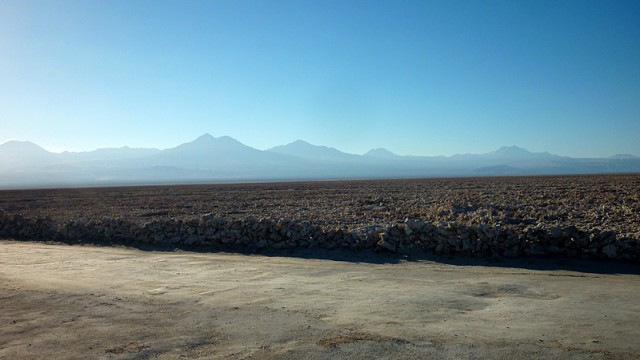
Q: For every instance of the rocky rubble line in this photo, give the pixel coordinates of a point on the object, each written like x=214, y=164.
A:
x=252, y=234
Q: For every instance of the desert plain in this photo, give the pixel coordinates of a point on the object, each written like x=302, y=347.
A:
x=143, y=302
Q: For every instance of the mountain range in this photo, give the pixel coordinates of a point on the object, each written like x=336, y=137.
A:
x=24, y=164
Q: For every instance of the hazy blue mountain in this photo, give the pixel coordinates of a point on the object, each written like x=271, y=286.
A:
x=381, y=153
x=303, y=149
x=208, y=143
x=224, y=155
x=505, y=153
x=623, y=157
x=23, y=153
x=208, y=148
x=515, y=152
x=120, y=153
x=209, y=158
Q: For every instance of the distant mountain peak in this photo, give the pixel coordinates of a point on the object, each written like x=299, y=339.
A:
x=23, y=153
x=297, y=144
x=227, y=139
x=301, y=148
x=206, y=137
x=207, y=142
x=511, y=151
x=518, y=152
x=301, y=143
x=381, y=153
x=18, y=142
x=22, y=145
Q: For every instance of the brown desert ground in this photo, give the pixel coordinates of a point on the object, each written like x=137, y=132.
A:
x=596, y=216
x=86, y=302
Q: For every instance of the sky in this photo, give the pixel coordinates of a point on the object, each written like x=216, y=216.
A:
x=415, y=77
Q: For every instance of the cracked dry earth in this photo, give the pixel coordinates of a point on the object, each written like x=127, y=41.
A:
x=78, y=302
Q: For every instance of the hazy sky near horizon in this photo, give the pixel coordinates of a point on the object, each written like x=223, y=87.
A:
x=415, y=77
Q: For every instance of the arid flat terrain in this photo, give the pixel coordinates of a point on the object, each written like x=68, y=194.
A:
x=595, y=216
x=603, y=202
x=79, y=302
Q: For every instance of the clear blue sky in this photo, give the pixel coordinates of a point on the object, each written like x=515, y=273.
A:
x=416, y=77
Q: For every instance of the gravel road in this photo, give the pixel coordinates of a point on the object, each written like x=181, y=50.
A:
x=78, y=302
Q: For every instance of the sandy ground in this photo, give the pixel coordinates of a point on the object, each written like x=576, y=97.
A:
x=82, y=302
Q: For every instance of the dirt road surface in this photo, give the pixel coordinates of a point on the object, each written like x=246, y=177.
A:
x=83, y=302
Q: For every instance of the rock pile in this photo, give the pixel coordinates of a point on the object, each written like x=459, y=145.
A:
x=410, y=235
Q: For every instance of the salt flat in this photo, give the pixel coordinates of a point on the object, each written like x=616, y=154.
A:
x=78, y=302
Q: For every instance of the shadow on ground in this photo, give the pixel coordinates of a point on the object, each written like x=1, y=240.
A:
x=590, y=266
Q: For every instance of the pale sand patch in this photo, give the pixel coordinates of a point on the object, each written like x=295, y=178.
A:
x=78, y=302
